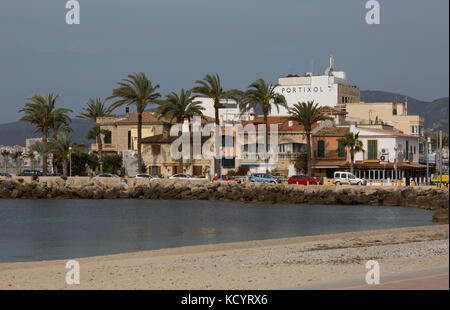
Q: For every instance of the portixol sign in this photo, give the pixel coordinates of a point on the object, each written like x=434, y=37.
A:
x=303, y=89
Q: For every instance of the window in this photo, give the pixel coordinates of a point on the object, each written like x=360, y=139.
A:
x=156, y=149
x=227, y=141
x=228, y=163
x=321, y=148
x=129, y=139
x=107, y=139
x=372, y=149
x=341, y=149
x=156, y=170
x=407, y=150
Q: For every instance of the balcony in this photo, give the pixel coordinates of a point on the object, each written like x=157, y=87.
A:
x=108, y=147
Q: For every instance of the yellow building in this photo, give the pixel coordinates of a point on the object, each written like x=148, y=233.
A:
x=122, y=131
x=394, y=114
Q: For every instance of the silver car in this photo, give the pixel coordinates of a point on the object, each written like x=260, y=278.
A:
x=343, y=178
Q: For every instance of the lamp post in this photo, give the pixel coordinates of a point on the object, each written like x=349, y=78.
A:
x=70, y=161
x=426, y=152
x=395, y=162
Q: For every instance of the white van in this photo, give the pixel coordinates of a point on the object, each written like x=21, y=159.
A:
x=342, y=178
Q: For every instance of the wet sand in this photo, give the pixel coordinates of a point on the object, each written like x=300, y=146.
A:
x=266, y=264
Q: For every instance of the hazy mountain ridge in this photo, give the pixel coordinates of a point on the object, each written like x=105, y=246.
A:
x=15, y=133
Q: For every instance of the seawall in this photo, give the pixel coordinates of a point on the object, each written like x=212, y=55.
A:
x=429, y=198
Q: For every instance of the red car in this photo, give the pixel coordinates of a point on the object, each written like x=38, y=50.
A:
x=303, y=180
x=225, y=178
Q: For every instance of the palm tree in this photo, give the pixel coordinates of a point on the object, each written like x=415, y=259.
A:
x=262, y=94
x=17, y=156
x=307, y=114
x=42, y=113
x=62, y=147
x=5, y=155
x=95, y=109
x=179, y=107
x=96, y=133
x=137, y=89
x=210, y=87
x=30, y=155
x=351, y=142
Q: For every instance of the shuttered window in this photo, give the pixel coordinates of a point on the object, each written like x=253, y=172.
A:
x=407, y=150
x=341, y=149
x=321, y=148
x=372, y=149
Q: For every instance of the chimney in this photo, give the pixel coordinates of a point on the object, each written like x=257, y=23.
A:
x=127, y=111
x=405, y=108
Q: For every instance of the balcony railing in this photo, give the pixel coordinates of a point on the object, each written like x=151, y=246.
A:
x=108, y=147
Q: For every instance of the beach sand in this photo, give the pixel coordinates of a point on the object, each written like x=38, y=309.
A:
x=267, y=264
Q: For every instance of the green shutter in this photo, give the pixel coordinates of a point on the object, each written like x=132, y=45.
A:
x=372, y=149
x=321, y=148
x=407, y=150
x=341, y=149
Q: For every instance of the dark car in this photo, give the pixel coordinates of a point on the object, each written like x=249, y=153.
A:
x=31, y=173
x=62, y=176
x=7, y=175
x=304, y=180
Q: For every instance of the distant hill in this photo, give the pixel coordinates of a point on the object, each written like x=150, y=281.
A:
x=15, y=133
x=434, y=112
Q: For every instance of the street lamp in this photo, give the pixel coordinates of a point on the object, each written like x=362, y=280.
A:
x=70, y=160
x=395, y=162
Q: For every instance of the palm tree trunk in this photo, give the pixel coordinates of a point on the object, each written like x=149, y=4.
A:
x=64, y=165
x=6, y=164
x=139, y=141
x=17, y=166
x=44, y=151
x=217, y=166
x=266, y=142
x=351, y=163
x=100, y=152
x=308, y=151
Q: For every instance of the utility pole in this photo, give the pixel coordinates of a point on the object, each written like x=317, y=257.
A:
x=427, y=141
x=70, y=160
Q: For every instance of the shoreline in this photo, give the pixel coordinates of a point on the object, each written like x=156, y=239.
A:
x=263, y=264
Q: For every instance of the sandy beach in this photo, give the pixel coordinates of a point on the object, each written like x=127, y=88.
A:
x=266, y=264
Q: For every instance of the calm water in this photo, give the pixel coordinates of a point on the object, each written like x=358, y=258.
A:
x=59, y=229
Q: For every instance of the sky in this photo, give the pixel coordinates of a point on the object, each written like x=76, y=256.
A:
x=176, y=42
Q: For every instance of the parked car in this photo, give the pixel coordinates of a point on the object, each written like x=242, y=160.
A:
x=303, y=180
x=7, y=175
x=183, y=176
x=109, y=175
x=145, y=176
x=343, y=178
x=227, y=178
x=263, y=177
x=31, y=173
x=62, y=176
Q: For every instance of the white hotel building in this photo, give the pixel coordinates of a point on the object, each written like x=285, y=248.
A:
x=330, y=89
